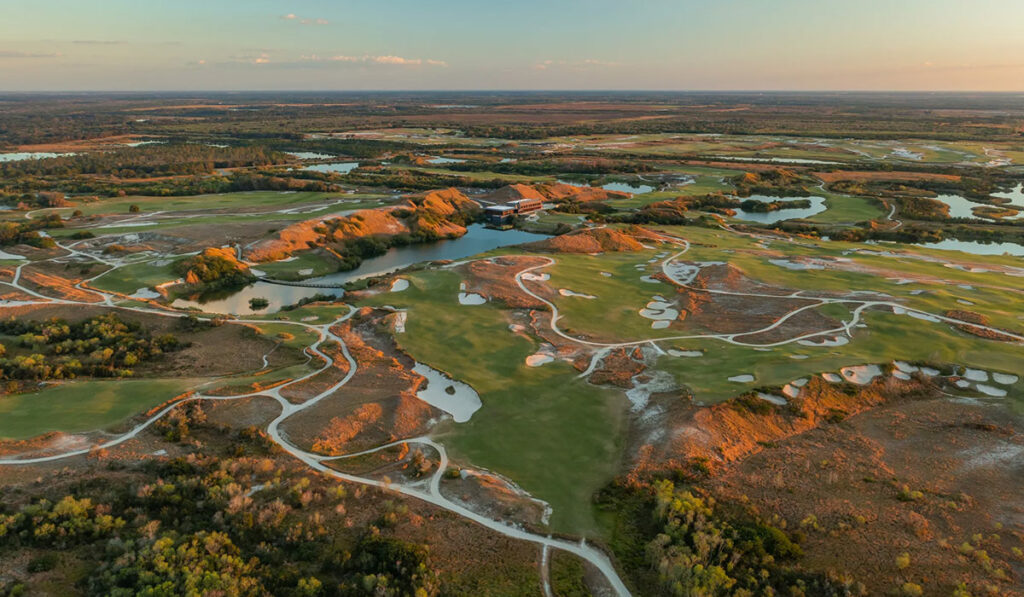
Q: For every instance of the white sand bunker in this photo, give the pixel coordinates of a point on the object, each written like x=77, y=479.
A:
x=567, y=292
x=545, y=354
x=1004, y=378
x=536, y=277
x=661, y=312
x=685, y=353
x=400, y=318
x=827, y=341
x=453, y=397
x=798, y=357
x=306, y=271
x=975, y=374
x=861, y=374
x=538, y=359
x=606, y=274
x=990, y=391
x=647, y=383
x=650, y=280
x=744, y=378
x=901, y=375
x=915, y=314
x=399, y=285
x=779, y=400
x=831, y=377
x=684, y=273
x=790, y=390
x=469, y=298
x=797, y=265
x=145, y=293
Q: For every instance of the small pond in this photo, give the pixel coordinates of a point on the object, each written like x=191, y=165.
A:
x=770, y=217
x=340, y=168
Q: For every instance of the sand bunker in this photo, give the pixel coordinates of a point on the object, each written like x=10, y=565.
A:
x=745, y=378
x=538, y=359
x=779, y=400
x=685, y=353
x=567, y=292
x=861, y=374
x=831, y=377
x=145, y=293
x=471, y=298
x=400, y=319
x=828, y=341
x=536, y=277
x=399, y=285
x=797, y=265
x=453, y=397
x=686, y=273
x=661, y=312
x=990, y=391
x=1004, y=378
x=975, y=374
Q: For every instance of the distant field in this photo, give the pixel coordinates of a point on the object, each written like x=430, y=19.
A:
x=78, y=406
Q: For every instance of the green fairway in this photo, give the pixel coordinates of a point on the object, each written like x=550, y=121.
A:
x=844, y=209
x=558, y=437
x=78, y=406
x=130, y=278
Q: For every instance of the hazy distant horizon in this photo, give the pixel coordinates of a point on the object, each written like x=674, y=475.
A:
x=272, y=45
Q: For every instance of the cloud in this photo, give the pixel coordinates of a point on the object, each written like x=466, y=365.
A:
x=578, y=64
x=17, y=54
x=303, y=21
x=387, y=60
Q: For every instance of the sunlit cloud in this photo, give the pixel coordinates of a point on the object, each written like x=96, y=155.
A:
x=303, y=21
x=370, y=59
x=578, y=64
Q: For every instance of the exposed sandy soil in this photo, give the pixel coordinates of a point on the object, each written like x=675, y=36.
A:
x=618, y=368
x=831, y=177
x=495, y=279
x=51, y=279
x=732, y=430
x=966, y=460
x=376, y=406
x=427, y=212
x=596, y=240
x=494, y=497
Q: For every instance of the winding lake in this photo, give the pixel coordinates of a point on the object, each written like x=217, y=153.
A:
x=977, y=248
x=478, y=239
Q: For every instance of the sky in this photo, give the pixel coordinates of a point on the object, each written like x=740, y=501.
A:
x=142, y=45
